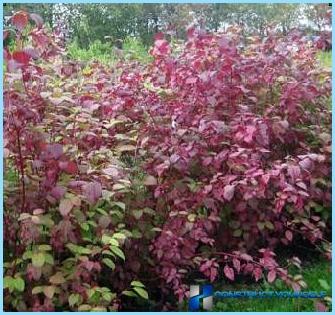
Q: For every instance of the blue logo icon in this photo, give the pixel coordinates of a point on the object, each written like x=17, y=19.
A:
x=206, y=296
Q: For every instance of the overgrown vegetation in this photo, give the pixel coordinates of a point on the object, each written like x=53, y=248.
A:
x=126, y=183
x=107, y=54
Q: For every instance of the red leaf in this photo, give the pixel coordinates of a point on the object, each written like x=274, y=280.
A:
x=257, y=273
x=6, y=54
x=228, y=192
x=161, y=48
x=12, y=65
x=31, y=52
x=92, y=192
x=229, y=272
x=5, y=34
x=58, y=192
x=20, y=20
x=159, y=36
x=272, y=276
x=237, y=264
x=289, y=235
x=68, y=167
x=320, y=307
x=296, y=286
x=191, y=80
x=213, y=274
x=54, y=151
x=190, y=31
x=21, y=57
x=65, y=207
x=246, y=257
x=250, y=130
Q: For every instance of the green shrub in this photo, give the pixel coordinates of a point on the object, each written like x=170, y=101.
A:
x=102, y=52
x=105, y=52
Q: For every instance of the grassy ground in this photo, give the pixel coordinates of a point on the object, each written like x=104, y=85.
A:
x=317, y=277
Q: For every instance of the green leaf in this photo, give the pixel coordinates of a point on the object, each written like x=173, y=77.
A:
x=109, y=263
x=8, y=283
x=85, y=226
x=84, y=308
x=125, y=147
x=78, y=249
x=19, y=284
x=149, y=211
x=44, y=248
x=137, y=214
x=136, y=234
x=117, y=251
x=137, y=284
x=129, y=293
x=99, y=309
x=108, y=252
x=237, y=233
x=57, y=278
x=49, y=259
x=269, y=225
x=47, y=221
x=191, y=217
x=38, y=259
x=92, y=223
x=107, y=296
x=113, y=122
x=118, y=186
x=106, y=239
x=74, y=299
x=109, y=240
x=91, y=292
x=119, y=236
x=141, y=292
x=27, y=255
x=49, y=291
x=261, y=226
x=37, y=290
x=118, y=213
x=324, y=284
x=102, y=211
x=318, y=208
x=119, y=204
x=84, y=250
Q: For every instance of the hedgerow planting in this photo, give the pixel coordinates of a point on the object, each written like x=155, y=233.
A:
x=126, y=183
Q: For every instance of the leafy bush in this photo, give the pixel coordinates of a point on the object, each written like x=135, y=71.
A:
x=137, y=179
x=133, y=49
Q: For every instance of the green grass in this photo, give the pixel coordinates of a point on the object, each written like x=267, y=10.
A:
x=317, y=278
x=133, y=49
x=325, y=58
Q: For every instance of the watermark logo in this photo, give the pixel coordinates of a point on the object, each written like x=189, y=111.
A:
x=200, y=294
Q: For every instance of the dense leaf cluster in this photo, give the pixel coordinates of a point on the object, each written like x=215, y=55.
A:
x=125, y=182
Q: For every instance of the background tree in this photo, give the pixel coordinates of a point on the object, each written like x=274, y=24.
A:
x=86, y=23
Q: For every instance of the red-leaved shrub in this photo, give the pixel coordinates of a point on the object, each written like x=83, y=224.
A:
x=126, y=179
